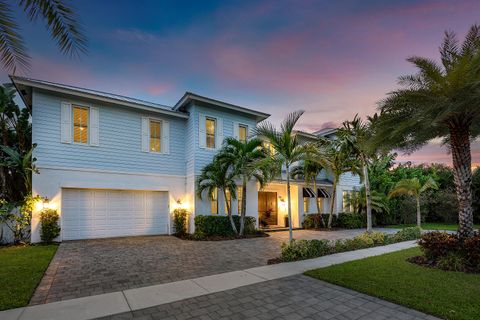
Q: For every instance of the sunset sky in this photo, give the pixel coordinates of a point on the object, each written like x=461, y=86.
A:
x=331, y=58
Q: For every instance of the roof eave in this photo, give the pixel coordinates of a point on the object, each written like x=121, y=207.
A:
x=18, y=81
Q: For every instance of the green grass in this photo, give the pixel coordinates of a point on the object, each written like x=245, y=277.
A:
x=21, y=269
x=449, y=295
x=430, y=226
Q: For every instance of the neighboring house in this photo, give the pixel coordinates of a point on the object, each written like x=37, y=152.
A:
x=118, y=166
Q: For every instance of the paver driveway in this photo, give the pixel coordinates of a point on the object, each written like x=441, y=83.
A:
x=91, y=267
x=296, y=297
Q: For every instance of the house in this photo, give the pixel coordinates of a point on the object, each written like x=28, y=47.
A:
x=117, y=166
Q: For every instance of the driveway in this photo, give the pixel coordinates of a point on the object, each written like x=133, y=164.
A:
x=91, y=267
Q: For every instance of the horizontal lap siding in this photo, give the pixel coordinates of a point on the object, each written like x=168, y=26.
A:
x=120, y=140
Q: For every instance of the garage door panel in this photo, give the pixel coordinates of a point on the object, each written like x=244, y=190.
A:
x=112, y=213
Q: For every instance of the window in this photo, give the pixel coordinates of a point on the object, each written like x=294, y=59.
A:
x=228, y=201
x=239, y=198
x=320, y=204
x=242, y=133
x=268, y=146
x=210, y=126
x=155, y=136
x=350, y=200
x=80, y=124
x=214, y=201
x=306, y=203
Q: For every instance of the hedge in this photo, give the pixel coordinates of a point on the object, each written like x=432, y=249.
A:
x=207, y=226
x=342, y=220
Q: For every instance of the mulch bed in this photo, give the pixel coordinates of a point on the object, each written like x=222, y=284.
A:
x=192, y=237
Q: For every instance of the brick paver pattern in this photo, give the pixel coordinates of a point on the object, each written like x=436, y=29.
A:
x=91, y=267
x=297, y=297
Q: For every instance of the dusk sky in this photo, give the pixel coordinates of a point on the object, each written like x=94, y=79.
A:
x=331, y=58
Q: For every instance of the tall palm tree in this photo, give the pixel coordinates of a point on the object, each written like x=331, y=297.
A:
x=358, y=135
x=245, y=160
x=440, y=101
x=60, y=20
x=413, y=187
x=217, y=176
x=288, y=150
x=309, y=171
x=337, y=157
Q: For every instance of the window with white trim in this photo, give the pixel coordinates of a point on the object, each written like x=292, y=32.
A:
x=80, y=124
x=210, y=130
x=242, y=132
x=155, y=136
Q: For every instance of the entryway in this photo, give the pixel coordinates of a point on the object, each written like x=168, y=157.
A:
x=267, y=208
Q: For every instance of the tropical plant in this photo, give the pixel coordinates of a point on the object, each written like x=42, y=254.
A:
x=214, y=177
x=23, y=163
x=378, y=201
x=49, y=222
x=413, y=187
x=309, y=171
x=287, y=150
x=245, y=160
x=440, y=101
x=60, y=20
x=18, y=216
x=358, y=136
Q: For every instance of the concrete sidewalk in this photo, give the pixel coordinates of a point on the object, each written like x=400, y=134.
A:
x=141, y=298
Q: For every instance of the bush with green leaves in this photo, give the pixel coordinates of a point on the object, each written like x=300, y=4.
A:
x=219, y=226
x=180, y=218
x=18, y=217
x=49, y=225
x=351, y=221
x=411, y=233
x=305, y=249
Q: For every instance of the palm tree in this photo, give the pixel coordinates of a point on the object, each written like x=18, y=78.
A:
x=245, y=160
x=337, y=157
x=440, y=101
x=309, y=171
x=60, y=21
x=216, y=176
x=413, y=187
x=357, y=135
x=288, y=150
x=378, y=201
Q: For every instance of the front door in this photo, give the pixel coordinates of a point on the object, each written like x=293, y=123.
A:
x=267, y=208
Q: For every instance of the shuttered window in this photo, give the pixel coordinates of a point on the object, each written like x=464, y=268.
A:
x=155, y=136
x=210, y=126
x=80, y=124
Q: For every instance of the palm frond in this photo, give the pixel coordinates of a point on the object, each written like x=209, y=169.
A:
x=449, y=50
x=12, y=48
x=62, y=23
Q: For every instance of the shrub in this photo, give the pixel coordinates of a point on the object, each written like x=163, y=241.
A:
x=411, y=233
x=313, y=220
x=180, y=217
x=351, y=221
x=305, y=249
x=453, y=261
x=49, y=222
x=471, y=247
x=208, y=226
x=438, y=244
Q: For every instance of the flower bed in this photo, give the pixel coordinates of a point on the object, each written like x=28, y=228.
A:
x=308, y=249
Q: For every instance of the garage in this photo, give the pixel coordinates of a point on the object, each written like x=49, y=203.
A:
x=94, y=213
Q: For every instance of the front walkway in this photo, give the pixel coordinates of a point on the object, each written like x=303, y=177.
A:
x=92, y=267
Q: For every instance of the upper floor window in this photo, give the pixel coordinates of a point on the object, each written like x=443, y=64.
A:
x=242, y=133
x=210, y=126
x=80, y=124
x=155, y=136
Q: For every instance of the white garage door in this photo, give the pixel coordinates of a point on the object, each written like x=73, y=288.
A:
x=88, y=213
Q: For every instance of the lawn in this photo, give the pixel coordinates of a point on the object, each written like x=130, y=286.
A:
x=449, y=295
x=430, y=226
x=21, y=269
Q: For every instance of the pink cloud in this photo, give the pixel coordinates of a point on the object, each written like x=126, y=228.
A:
x=158, y=89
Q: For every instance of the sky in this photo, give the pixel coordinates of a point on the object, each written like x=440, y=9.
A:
x=333, y=59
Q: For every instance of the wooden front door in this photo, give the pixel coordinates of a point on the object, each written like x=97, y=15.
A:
x=267, y=208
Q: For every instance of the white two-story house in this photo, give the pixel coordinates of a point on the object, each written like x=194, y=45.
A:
x=118, y=166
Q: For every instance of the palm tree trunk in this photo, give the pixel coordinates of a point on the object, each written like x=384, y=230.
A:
x=462, y=173
x=244, y=205
x=290, y=231
x=229, y=212
x=315, y=188
x=332, y=205
x=366, y=183
x=419, y=215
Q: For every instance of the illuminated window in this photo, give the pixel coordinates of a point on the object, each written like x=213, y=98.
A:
x=155, y=136
x=242, y=133
x=320, y=204
x=80, y=124
x=228, y=201
x=239, y=198
x=210, y=126
x=214, y=201
x=306, y=203
x=268, y=146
